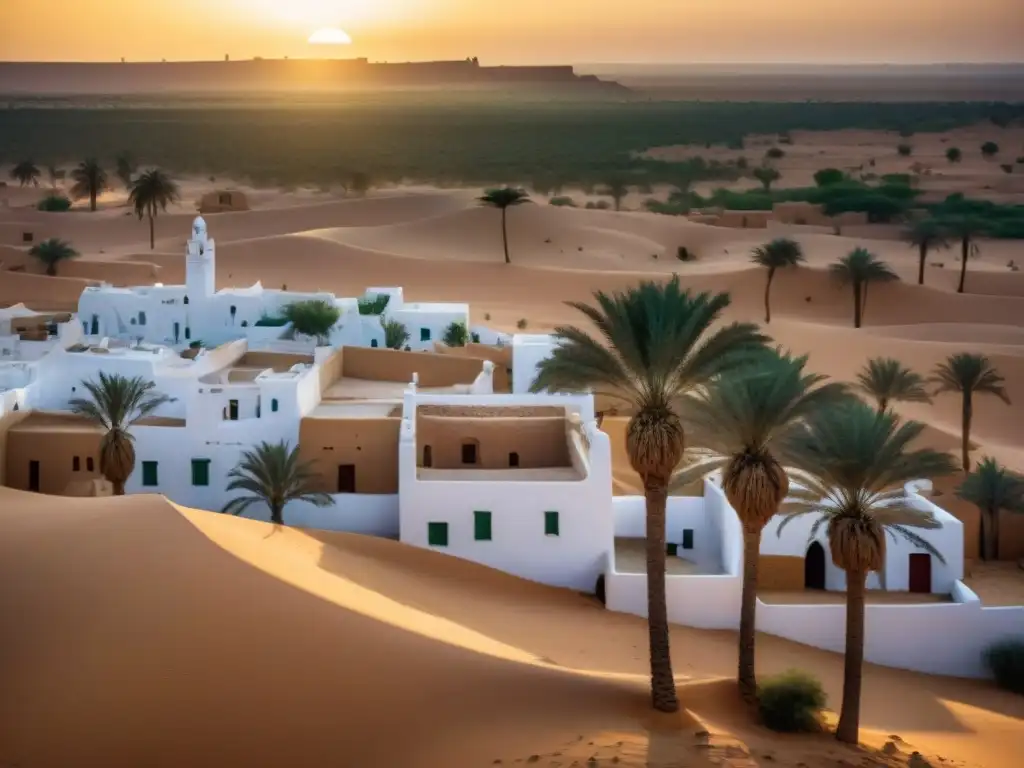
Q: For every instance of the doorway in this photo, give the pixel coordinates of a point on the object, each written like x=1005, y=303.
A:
x=346, y=478
x=920, y=572
x=469, y=452
x=233, y=410
x=33, y=476
x=814, y=567
x=513, y=459
x=94, y=328
x=428, y=456
x=177, y=332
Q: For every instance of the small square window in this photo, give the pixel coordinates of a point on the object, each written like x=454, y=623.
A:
x=551, y=524
x=149, y=474
x=469, y=453
x=437, y=534
x=424, y=334
x=373, y=343
x=688, y=538
x=482, y=526
x=672, y=549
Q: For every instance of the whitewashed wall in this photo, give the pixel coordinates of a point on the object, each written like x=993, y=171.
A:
x=527, y=352
x=367, y=513
x=680, y=512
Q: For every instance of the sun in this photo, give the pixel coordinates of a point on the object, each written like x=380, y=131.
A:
x=330, y=36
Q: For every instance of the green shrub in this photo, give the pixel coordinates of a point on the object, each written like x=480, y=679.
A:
x=1005, y=660
x=683, y=254
x=374, y=305
x=989, y=148
x=897, y=179
x=743, y=164
x=521, y=323
x=905, y=150
x=455, y=335
x=954, y=155
x=396, y=335
x=791, y=702
x=828, y=176
x=315, y=317
x=269, y=321
x=775, y=153
x=1007, y=167
x=600, y=205
x=54, y=204
x=562, y=201
x=671, y=208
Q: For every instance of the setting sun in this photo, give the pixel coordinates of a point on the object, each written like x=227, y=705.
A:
x=330, y=36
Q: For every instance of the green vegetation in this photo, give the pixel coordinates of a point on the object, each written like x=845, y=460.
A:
x=562, y=201
x=989, y=149
x=90, y=181
x=791, y=702
x=1005, y=660
x=954, y=155
x=396, y=335
x=775, y=153
x=778, y=254
x=151, y=193
x=456, y=335
x=503, y=199
x=828, y=176
x=886, y=380
x=54, y=204
x=26, y=172
x=970, y=375
x=992, y=489
x=52, y=252
x=926, y=235
x=858, y=269
x=373, y=305
x=766, y=175
x=905, y=150
x=315, y=317
x=438, y=137
x=273, y=475
x=270, y=321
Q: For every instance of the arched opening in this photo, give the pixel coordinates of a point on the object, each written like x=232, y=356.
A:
x=513, y=459
x=814, y=567
x=428, y=456
x=470, y=451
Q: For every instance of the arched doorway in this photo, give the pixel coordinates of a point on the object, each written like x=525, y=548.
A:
x=814, y=567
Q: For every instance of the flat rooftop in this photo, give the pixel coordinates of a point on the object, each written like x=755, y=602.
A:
x=365, y=389
x=357, y=409
x=540, y=474
x=491, y=411
x=871, y=597
x=61, y=421
x=631, y=557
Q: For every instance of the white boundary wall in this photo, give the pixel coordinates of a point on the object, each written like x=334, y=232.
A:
x=373, y=514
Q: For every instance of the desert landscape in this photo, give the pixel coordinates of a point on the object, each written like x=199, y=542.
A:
x=144, y=632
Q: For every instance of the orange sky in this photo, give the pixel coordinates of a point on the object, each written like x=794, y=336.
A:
x=520, y=31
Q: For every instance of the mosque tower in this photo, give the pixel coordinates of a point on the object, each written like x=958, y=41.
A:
x=200, y=263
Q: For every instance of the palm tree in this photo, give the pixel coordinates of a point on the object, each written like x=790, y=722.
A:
x=766, y=175
x=504, y=198
x=315, y=317
x=858, y=268
x=655, y=345
x=90, y=180
x=26, y=172
x=736, y=424
x=126, y=167
x=992, y=488
x=152, y=192
x=925, y=235
x=52, y=252
x=886, y=380
x=964, y=228
x=396, y=335
x=969, y=374
x=616, y=189
x=780, y=252
x=852, y=463
x=273, y=475
x=116, y=403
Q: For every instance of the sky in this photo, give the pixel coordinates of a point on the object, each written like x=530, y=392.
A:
x=520, y=31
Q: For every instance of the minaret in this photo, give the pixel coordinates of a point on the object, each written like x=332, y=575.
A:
x=200, y=263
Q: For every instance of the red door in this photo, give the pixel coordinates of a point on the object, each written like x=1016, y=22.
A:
x=920, y=572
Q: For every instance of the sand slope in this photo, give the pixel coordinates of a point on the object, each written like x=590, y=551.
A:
x=139, y=634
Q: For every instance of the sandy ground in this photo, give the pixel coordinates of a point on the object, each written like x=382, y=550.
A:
x=143, y=634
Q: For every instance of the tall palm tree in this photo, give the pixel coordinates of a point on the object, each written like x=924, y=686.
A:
x=851, y=463
x=736, y=424
x=616, y=189
x=52, y=252
x=26, y=172
x=152, y=192
x=504, y=198
x=273, y=475
x=965, y=228
x=925, y=235
x=90, y=181
x=886, y=380
x=779, y=253
x=116, y=403
x=857, y=269
x=126, y=167
x=992, y=488
x=969, y=374
x=655, y=345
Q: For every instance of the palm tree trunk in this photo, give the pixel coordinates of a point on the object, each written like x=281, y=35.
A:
x=965, y=248
x=748, y=615
x=504, y=235
x=767, y=293
x=118, y=488
x=883, y=403
x=864, y=300
x=985, y=534
x=965, y=434
x=995, y=533
x=922, y=255
x=856, y=305
x=92, y=200
x=152, y=232
x=663, y=684
x=277, y=514
x=848, y=729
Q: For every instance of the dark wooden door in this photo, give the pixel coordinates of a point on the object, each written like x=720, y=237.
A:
x=233, y=410
x=33, y=476
x=920, y=572
x=346, y=478
x=814, y=567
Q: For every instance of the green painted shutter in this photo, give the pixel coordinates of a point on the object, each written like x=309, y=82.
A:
x=672, y=549
x=482, y=526
x=200, y=471
x=688, y=538
x=424, y=334
x=149, y=473
x=437, y=534
x=550, y=523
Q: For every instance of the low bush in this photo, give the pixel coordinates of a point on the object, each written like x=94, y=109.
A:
x=677, y=208
x=683, y=254
x=1007, y=167
x=455, y=335
x=775, y=153
x=989, y=148
x=905, y=150
x=1005, y=660
x=521, y=323
x=791, y=702
x=269, y=321
x=827, y=176
x=562, y=201
x=953, y=154
x=375, y=305
x=600, y=205
x=54, y=204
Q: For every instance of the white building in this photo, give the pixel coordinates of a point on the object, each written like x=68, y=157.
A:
x=196, y=312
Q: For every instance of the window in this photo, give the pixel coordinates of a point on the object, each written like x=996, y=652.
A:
x=373, y=342
x=188, y=332
x=142, y=318
x=200, y=471
x=273, y=404
x=224, y=199
x=149, y=476
x=482, y=526
x=550, y=523
x=88, y=464
x=26, y=237
x=513, y=459
x=424, y=334
x=233, y=410
x=185, y=300
x=437, y=534
x=76, y=464
x=346, y=478
x=671, y=549
x=687, y=538
x=469, y=453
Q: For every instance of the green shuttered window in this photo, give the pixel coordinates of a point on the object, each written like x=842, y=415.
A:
x=200, y=471
x=149, y=474
x=437, y=534
x=482, y=526
x=550, y=523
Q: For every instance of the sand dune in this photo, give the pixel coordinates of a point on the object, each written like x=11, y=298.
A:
x=151, y=635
